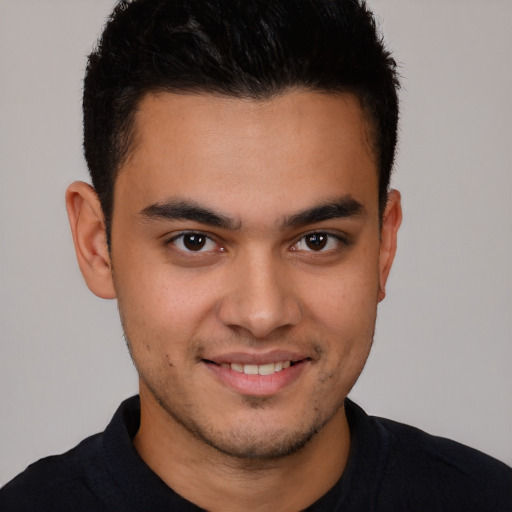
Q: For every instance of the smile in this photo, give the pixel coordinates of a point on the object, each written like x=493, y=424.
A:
x=264, y=379
x=258, y=369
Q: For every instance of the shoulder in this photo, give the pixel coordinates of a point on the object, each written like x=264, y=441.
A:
x=426, y=467
x=94, y=475
x=57, y=483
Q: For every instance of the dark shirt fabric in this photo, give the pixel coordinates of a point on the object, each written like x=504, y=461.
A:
x=391, y=468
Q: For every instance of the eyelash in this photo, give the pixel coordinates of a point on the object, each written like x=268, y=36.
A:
x=331, y=237
x=339, y=240
x=175, y=239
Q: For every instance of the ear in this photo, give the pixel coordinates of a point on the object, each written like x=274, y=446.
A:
x=391, y=221
x=89, y=236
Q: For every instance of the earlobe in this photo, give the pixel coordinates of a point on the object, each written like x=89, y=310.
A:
x=391, y=221
x=88, y=228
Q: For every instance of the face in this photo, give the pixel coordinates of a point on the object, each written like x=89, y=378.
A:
x=247, y=263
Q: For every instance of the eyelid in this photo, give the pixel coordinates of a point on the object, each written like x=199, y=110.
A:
x=171, y=241
x=341, y=239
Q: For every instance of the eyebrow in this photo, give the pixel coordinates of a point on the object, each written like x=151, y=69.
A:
x=338, y=208
x=343, y=207
x=187, y=210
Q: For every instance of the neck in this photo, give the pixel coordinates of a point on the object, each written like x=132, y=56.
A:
x=218, y=482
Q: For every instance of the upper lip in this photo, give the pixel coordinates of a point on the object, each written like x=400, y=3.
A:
x=257, y=358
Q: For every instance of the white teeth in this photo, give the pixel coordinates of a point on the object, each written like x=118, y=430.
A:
x=266, y=369
x=255, y=369
x=251, y=369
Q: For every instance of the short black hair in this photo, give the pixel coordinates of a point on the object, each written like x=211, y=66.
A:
x=244, y=49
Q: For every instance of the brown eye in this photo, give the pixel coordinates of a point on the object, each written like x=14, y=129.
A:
x=194, y=241
x=320, y=242
x=316, y=241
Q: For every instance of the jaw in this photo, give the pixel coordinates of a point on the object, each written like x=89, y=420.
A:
x=246, y=420
x=250, y=479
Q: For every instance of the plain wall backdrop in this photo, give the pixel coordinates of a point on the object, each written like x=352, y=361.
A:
x=442, y=355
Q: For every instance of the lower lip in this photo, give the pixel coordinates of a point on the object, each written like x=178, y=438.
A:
x=258, y=385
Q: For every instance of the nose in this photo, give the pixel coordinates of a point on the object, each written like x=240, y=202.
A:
x=260, y=300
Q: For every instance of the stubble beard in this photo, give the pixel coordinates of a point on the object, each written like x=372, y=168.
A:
x=246, y=443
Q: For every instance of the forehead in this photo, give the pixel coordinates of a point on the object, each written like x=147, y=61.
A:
x=300, y=146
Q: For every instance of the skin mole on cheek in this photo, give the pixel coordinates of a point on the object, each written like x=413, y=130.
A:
x=327, y=377
x=168, y=359
x=318, y=350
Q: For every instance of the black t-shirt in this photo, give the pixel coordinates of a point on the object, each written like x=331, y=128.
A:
x=391, y=468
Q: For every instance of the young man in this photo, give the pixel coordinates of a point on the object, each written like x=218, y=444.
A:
x=241, y=215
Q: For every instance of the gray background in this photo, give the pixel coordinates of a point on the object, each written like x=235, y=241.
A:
x=443, y=348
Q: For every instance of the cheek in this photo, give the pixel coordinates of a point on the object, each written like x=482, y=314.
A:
x=343, y=311
x=345, y=300
x=161, y=307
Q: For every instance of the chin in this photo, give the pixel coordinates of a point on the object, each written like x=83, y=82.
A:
x=255, y=439
x=248, y=444
x=255, y=429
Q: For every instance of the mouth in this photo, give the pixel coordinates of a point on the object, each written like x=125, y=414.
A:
x=257, y=369
x=258, y=378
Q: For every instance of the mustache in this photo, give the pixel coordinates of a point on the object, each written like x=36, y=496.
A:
x=199, y=348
